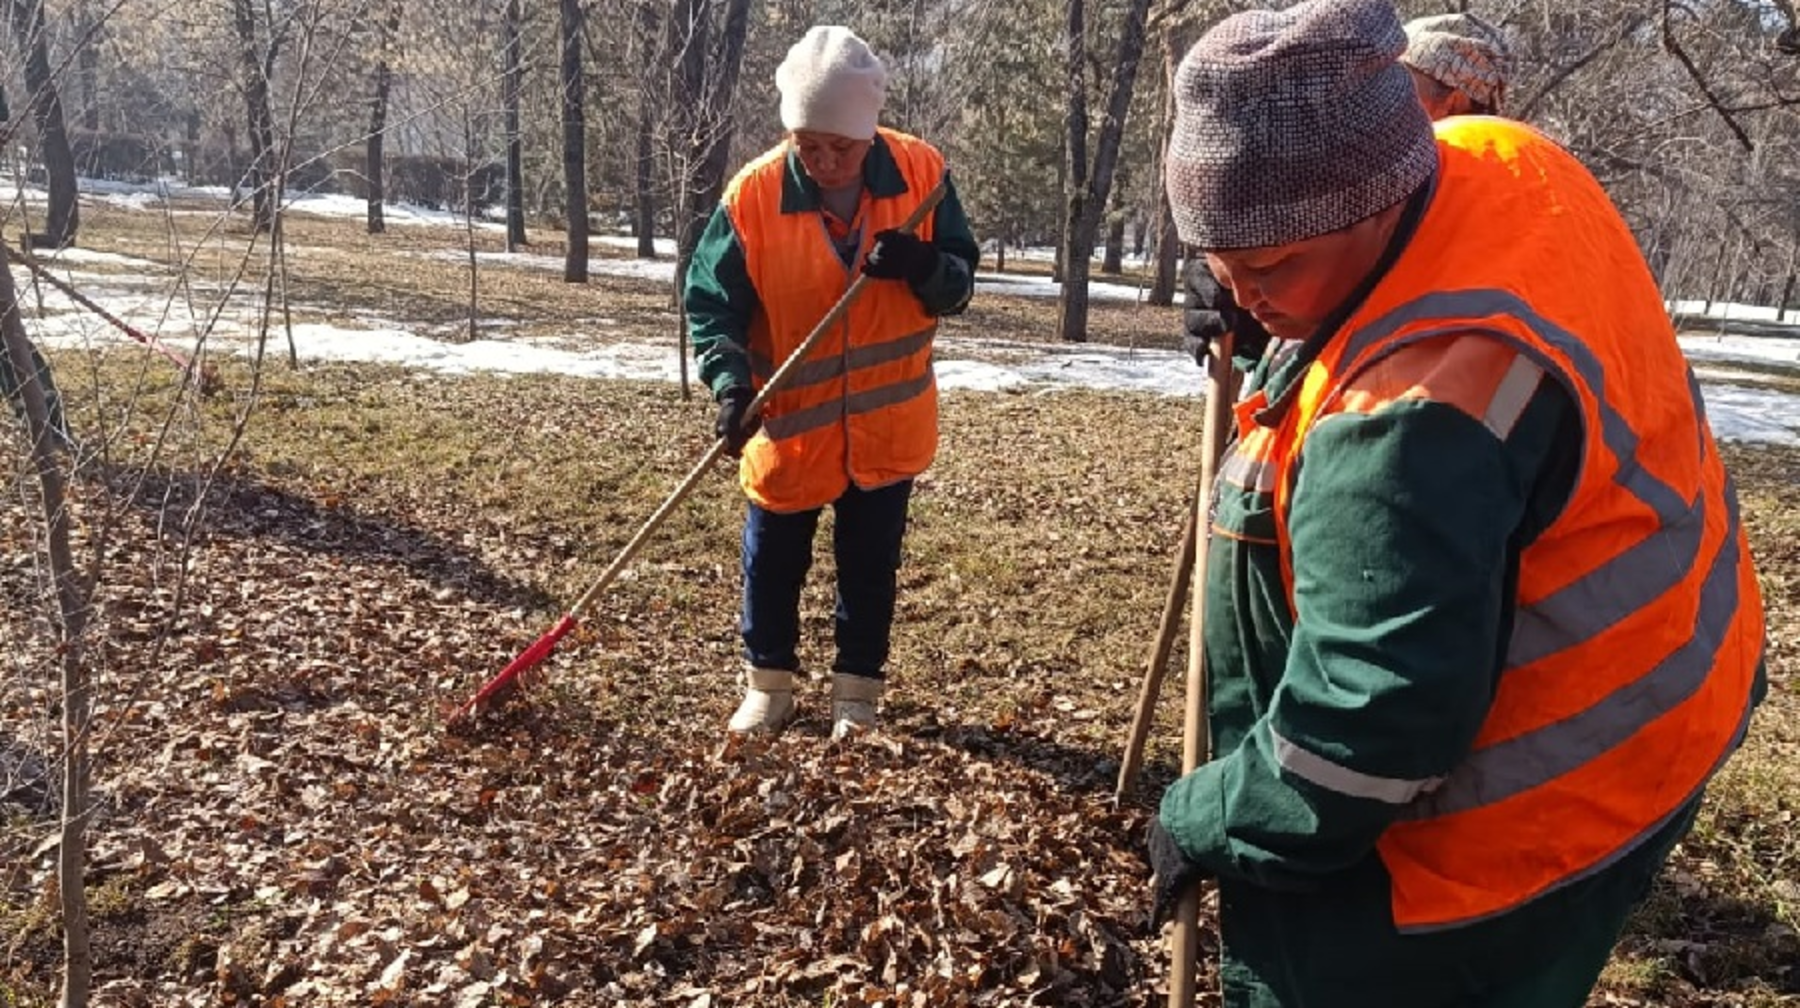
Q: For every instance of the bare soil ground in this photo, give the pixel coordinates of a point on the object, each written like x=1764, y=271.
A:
x=285, y=819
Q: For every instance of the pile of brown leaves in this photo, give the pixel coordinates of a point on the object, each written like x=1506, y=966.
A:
x=286, y=819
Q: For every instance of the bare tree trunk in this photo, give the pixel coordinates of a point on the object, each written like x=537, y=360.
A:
x=1720, y=288
x=375, y=161
x=1112, y=260
x=1072, y=256
x=1088, y=195
x=468, y=182
x=643, y=185
x=511, y=77
x=87, y=67
x=255, y=83
x=644, y=169
x=190, y=134
x=708, y=83
x=689, y=38
x=1168, y=240
x=1113, y=264
x=715, y=150
x=1062, y=186
x=574, y=119
x=688, y=35
x=64, y=216
x=1787, y=289
x=72, y=608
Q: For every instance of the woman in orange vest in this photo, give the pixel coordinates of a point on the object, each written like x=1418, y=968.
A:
x=1481, y=617
x=1460, y=65
x=859, y=419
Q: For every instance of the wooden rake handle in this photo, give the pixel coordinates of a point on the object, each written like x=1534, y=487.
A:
x=1184, y=947
x=1131, y=762
x=1150, y=688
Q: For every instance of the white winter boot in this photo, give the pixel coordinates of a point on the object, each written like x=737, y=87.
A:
x=853, y=704
x=768, y=701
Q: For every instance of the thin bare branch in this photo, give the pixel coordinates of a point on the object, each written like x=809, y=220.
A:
x=1673, y=46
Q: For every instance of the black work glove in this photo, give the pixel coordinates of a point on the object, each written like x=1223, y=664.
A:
x=732, y=425
x=1174, y=874
x=900, y=255
x=1208, y=312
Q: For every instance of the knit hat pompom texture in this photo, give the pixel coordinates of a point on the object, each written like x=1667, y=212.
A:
x=1294, y=123
x=1460, y=51
x=832, y=82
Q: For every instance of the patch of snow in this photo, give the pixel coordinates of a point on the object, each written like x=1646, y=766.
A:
x=1729, y=311
x=397, y=346
x=341, y=205
x=167, y=187
x=1023, y=285
x=1754, y=415
x=1748, y=349
x=134, y=201
x=664, y=246
x=89, y=257
x=657, y=270
x=1739, y=411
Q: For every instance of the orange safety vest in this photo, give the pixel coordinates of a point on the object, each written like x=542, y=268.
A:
x=1638, y=629
x=862, y=407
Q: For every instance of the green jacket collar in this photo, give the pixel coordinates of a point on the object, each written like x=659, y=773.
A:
x=881, y=176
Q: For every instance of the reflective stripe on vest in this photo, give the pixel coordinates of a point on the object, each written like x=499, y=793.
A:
x=1615, y=589
x=812, y=418
x=1638, y=624
x=1310, y=766
x=1624, y=585
x=817, y=372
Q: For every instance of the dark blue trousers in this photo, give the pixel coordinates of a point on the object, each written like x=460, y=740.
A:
x=777, y=554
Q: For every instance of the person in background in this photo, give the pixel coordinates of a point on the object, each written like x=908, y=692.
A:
x=1481, y=617
x=859, y=420
x=1460, y=64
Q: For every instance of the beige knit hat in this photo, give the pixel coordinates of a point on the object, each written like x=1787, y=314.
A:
x=1461, y=51
x=833, y=83
x=1294, y=123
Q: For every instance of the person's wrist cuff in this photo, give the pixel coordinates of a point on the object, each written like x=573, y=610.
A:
x=930, y=264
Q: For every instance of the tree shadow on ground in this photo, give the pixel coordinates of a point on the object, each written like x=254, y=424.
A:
x=246, y=508
x=1078, y=769
x=1715, y=942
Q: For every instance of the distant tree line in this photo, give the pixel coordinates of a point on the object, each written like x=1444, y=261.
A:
x=1052, y=111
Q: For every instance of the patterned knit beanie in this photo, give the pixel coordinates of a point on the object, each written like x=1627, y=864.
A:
x=1461, y=51
x=831, y=82
x=1294, y=123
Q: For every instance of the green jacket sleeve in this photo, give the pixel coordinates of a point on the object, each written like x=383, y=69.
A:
x=720, y=301
x=947, y=291
x=1406, y=526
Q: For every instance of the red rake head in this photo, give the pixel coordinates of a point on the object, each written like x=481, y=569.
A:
x=518, y=675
